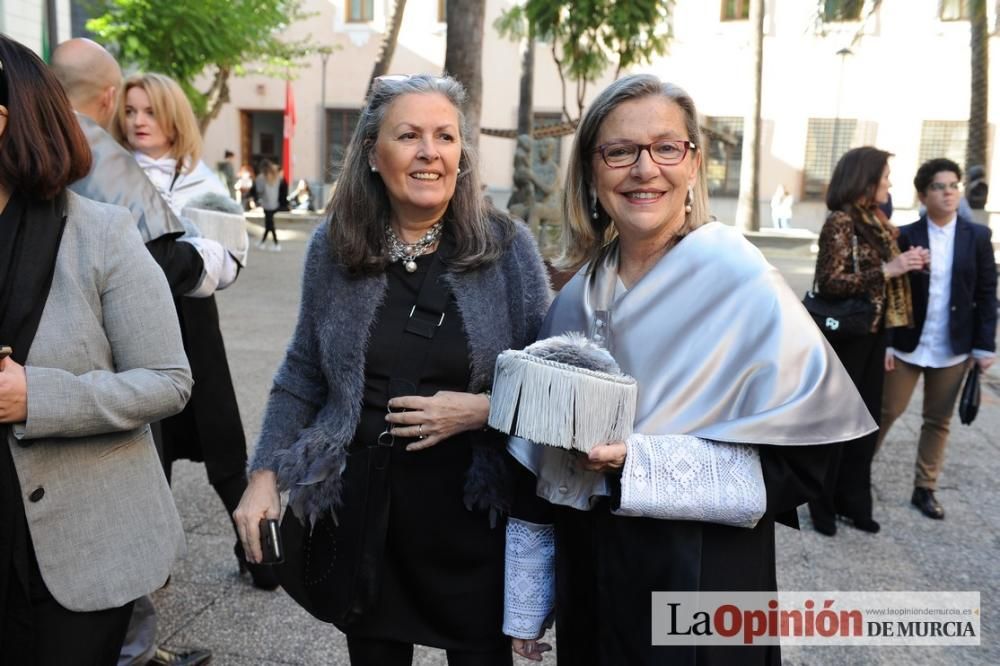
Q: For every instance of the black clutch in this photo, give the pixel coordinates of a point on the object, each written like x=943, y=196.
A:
x=968, y=404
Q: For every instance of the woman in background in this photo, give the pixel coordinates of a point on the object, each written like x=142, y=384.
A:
x=859, y=258
x=272, y=196
x=155, y=120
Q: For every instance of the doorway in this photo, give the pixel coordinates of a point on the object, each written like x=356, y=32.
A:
x=261, y=137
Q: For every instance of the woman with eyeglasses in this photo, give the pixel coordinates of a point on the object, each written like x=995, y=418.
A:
x=376, y=419
x=87, y=521
x=860, y=258
x=737, y=396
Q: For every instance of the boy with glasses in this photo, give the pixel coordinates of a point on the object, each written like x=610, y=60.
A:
x=955, y=317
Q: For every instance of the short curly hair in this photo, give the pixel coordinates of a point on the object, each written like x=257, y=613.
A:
x=930, y=168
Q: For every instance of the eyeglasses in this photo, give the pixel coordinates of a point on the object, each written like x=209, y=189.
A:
x=941, y=187
x=664, y=153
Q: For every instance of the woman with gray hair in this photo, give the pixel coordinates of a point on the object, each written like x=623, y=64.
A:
x=737, y=393
x=375, y=424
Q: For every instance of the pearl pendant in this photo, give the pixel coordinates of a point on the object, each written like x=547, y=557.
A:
x=410, y=266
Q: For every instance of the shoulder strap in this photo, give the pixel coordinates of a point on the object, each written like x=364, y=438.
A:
x=426, y=316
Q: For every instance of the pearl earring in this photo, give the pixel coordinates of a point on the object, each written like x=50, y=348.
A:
x=374, y=170
x=593, y=204
x=689, y=200
x=458, y=171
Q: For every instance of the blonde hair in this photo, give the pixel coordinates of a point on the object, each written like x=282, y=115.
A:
x=173, y=114
x=584, y=235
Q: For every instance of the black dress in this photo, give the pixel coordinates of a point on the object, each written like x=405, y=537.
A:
x=607, y=566
x=442, y=581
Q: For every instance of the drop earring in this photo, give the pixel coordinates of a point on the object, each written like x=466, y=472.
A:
x=688, y=201
x=593, y=203
x=374, y=169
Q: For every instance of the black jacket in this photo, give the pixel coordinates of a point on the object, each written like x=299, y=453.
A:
x=973, y=308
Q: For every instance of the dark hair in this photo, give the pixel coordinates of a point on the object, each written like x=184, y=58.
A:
x=856, y=177
x=43, y=148
x=359, y=209
x=930, y=168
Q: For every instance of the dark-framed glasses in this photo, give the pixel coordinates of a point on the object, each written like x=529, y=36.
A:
x=665, y=153
x=941, y=187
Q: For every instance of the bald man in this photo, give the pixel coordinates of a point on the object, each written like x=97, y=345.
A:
x=194, y=267
x=91, y=78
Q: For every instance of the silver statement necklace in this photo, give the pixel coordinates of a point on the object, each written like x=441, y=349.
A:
x=408, y=252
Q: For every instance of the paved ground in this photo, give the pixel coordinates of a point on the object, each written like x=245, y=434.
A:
x=208, y=605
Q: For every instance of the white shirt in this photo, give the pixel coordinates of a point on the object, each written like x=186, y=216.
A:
x=180, y=189
x=934, y=349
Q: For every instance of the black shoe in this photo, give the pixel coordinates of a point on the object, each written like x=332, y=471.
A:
x=166, y=657
x=262, y=575
x=865, y=525
x=923, y=499
x=825, y=528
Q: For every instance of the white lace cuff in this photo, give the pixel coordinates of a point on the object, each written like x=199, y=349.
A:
x=681, y=477
x=529, y=578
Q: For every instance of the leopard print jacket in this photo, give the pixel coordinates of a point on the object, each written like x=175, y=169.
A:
x=835, y=274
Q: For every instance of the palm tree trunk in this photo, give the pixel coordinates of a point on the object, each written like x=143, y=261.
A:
x=463, y=57
x=747, y=215
x=388, y=48
x=975, y=150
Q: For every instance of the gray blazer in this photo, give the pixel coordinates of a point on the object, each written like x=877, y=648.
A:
x=107, y=359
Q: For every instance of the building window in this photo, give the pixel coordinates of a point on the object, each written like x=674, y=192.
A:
x=842, y=10
x=943, y=138
x=723, y=151
x=339, y=127
x=954, y=10
x=442, y=11
x=827, y=139
x=360, y=11
x=735, y=10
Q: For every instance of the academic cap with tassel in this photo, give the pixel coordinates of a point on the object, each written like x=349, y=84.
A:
x=564, y=391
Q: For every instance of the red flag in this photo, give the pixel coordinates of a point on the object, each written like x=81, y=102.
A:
x=289, y=132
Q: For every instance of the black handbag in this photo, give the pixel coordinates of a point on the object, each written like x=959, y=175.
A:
x=333, y=569
x=968, y=404
x=844, y=318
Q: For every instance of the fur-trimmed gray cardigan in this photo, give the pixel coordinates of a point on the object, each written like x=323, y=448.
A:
x=315, y=402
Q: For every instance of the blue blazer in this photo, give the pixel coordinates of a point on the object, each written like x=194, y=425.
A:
x=973, y=308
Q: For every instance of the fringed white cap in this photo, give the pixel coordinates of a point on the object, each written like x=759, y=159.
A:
x=563, y=404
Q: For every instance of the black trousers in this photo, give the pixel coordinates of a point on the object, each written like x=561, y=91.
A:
x=375, y=652
x=38, y=631
x=269, y=226
x=847, y=490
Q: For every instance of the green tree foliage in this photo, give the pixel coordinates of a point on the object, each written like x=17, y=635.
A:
x=187, y=38
x=589, y=36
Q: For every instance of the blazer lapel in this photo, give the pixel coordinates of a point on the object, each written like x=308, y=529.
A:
x=963, y=254
x=918, y=234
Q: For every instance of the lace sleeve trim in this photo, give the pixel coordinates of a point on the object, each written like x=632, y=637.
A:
x=529, y=579
x=681, y=477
